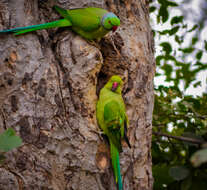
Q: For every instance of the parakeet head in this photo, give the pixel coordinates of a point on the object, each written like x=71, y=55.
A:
x=110, y=21
x=115, y=84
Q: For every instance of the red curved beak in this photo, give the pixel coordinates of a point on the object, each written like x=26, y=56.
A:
x=114, y=86
x=114, y=28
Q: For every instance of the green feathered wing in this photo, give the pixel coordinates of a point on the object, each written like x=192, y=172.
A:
x=112, y=119
x=87, y=19
x=84, y=21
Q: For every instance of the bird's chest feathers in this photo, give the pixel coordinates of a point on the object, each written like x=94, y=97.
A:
x=95, y=34
x=111, y=96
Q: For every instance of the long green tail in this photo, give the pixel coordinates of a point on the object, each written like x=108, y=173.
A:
x=22, y=30
x=116, y=164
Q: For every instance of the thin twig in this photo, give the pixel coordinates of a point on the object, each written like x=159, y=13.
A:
x=180, y=138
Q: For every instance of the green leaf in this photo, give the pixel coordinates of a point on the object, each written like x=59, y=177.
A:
x=8, y=140
x=161, y=176
x=170, y=32
x=176, y=20
x=199, y=157
x=164, y=32
x=187, y=50
x=197, y=84
x=152, y=9
x=178, y=172
x=174, y=30
x=172, y=4
x=166, y=47
x=193, y=28
x=168, y=70
x=194, y=40
x=163, y=13
x=205, y=44
x=199, y=55
x=178, y=39
x=158, y=59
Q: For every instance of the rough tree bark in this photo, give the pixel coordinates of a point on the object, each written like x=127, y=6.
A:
x=49, y=84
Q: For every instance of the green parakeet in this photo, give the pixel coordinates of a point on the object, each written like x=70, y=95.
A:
x=112, y=119
x=91, y=23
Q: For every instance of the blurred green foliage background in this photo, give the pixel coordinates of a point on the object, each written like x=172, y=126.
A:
x=179, y=144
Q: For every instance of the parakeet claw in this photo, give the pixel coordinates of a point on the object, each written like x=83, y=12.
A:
x=93, y=43
x=99, y=133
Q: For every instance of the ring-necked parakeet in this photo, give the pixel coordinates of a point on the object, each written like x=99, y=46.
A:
x=112, y=119
x=91, y=23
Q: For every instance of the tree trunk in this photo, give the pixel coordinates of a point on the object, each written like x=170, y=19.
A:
x=49, y=86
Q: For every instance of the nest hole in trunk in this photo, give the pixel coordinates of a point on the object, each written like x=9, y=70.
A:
x=114, y=63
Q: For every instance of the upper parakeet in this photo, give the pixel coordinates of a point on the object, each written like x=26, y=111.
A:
x=91, y=23
x=112, y=118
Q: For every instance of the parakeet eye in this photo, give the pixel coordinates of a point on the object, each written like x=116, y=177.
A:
x=114, y=86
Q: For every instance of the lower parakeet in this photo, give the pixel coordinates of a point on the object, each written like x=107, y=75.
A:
x=91, y=23
x=112, y=118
